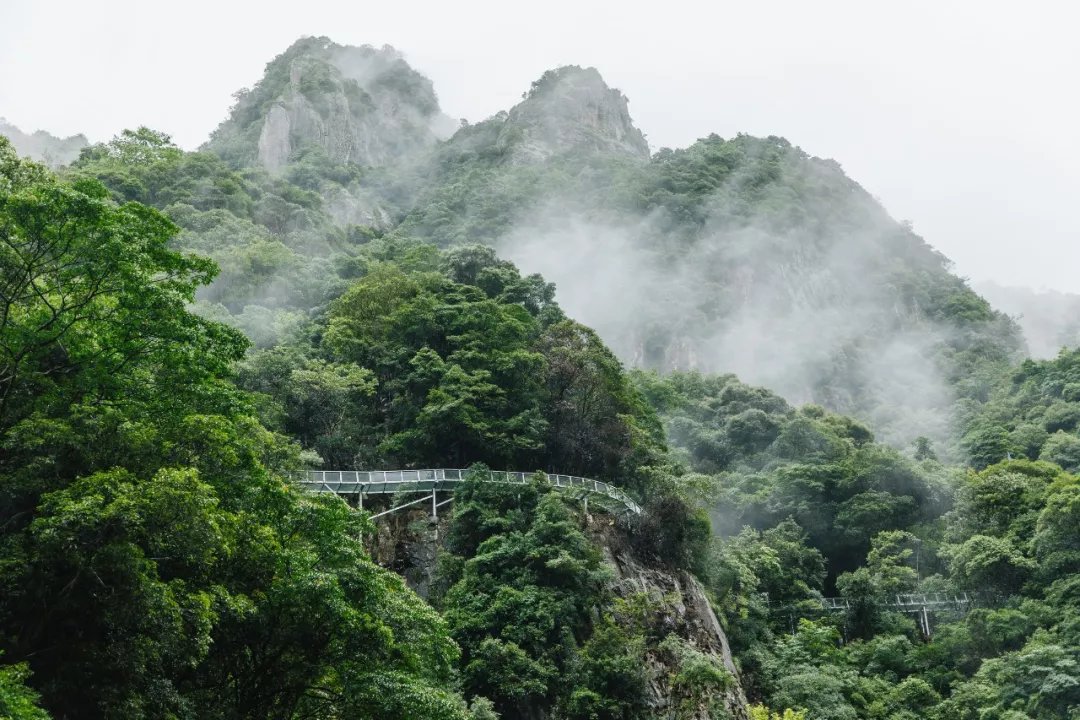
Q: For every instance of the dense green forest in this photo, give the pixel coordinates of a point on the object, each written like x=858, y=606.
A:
x=333, y=282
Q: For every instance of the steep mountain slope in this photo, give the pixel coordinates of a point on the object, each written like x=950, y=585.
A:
x=570, y=110
x=278, y=249
x=744, y=255
x=42, y=146
x=325, y=116
x=663, y=652
x=158, y=564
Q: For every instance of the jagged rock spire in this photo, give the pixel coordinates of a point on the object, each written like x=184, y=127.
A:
x=571, y=109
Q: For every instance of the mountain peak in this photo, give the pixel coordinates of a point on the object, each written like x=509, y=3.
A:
x=571, y=109
x=360, y=105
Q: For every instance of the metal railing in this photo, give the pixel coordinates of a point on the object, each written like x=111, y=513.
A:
x=907, y=601
x=359, y=483
x=922, y=605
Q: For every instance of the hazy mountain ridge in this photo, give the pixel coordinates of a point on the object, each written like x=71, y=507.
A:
x=1049, y=319
x=146, y=504
x=43, y=146
x=745, y=255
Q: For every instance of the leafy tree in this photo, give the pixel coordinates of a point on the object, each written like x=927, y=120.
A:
x=983, y=562
x=154, y=566
x=521, y=603
x=611, y=675
x=986, y=445
x=17, y=701
x=85, y=298
x=1057, y=534
x=453, y=367
x=699, y=680
x=761, y=712
x=1062, y=449
x=1040, y=681
x=598, y=425
x=784, y=567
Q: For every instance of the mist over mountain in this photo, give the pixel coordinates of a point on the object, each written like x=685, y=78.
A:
x=777, y=267
x=841, y=488
x=744, y=255
x=1050, y=320
x=43, y=146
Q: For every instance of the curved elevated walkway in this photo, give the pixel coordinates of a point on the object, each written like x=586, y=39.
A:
x=919, y=604
x=361, y=483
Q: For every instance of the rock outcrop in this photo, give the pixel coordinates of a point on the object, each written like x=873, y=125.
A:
x=357, y=105
x=685, y=612
x=571, y=109
x=409, y=543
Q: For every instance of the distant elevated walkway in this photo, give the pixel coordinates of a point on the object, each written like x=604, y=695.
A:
x=359, y=484
x=919, y=604
x=911, y=602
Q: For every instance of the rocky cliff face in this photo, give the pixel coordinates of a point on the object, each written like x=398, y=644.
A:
x=409, y=544
x=358, y=105
x=684, y=611
x=570, y=109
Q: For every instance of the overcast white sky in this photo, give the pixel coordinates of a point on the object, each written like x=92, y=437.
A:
x=960, y=115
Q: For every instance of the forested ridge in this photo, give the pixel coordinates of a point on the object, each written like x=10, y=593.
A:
x=341, y=278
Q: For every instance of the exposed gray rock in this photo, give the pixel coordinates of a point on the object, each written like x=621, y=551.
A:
x=355, y=206
x=360, y=105
x=409, y=543
x=274, y=143
x=571, y=110
x=684, y=611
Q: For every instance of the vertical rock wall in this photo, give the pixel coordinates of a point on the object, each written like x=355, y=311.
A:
x=409, y=543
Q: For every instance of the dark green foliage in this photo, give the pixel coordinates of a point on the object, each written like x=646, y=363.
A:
x=444, y=356
x=17, y=701
x=672, y=531
x=521, y=606
x=1011, y=538
x=153, y=564
x=772, y=462
x=471, y=362
x=610, y=676
x=1033, y=415
x=819, y=494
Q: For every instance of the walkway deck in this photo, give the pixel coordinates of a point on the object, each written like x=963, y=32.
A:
x=361, y=483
